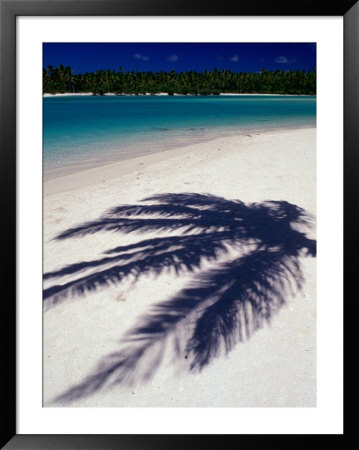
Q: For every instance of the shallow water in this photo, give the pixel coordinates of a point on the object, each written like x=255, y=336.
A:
x=81, y=129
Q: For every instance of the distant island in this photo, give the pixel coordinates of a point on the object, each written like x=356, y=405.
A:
x=61, y=79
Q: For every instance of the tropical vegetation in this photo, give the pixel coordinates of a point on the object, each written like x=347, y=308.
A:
x=62, y=79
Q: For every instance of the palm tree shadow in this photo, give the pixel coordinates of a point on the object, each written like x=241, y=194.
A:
x=254, y=251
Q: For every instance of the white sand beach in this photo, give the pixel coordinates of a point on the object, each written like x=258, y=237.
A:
x=123, y=335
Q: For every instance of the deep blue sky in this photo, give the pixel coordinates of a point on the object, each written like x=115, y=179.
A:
x=245, y=57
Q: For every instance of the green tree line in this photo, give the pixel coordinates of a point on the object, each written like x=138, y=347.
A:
x=62, y=79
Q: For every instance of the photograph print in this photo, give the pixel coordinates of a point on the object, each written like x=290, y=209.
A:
x=179, y=225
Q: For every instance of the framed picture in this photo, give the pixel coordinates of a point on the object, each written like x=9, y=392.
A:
x=169, y=174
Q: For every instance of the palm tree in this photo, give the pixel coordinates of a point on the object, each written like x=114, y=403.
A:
x=255, y=267
x=61, y=79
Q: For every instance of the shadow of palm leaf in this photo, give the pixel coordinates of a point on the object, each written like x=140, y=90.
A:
x=224, y=304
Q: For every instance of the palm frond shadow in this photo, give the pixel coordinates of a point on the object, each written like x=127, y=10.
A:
x=222, y=305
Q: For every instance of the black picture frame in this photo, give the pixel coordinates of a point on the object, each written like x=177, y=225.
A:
x=9, y=10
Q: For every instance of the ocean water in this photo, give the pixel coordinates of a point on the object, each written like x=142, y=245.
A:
x=88, y=130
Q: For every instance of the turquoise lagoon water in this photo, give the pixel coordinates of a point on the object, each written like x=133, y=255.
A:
x=80, y=130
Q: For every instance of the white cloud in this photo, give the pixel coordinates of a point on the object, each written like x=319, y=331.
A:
x=172, y=58
x=284, y=60
x=234, y=58
x=141, y=57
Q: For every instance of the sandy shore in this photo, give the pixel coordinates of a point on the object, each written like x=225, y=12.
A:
x=140, y=312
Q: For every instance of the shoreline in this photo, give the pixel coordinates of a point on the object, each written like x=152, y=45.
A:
x=114, y=285
x=89, y=173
